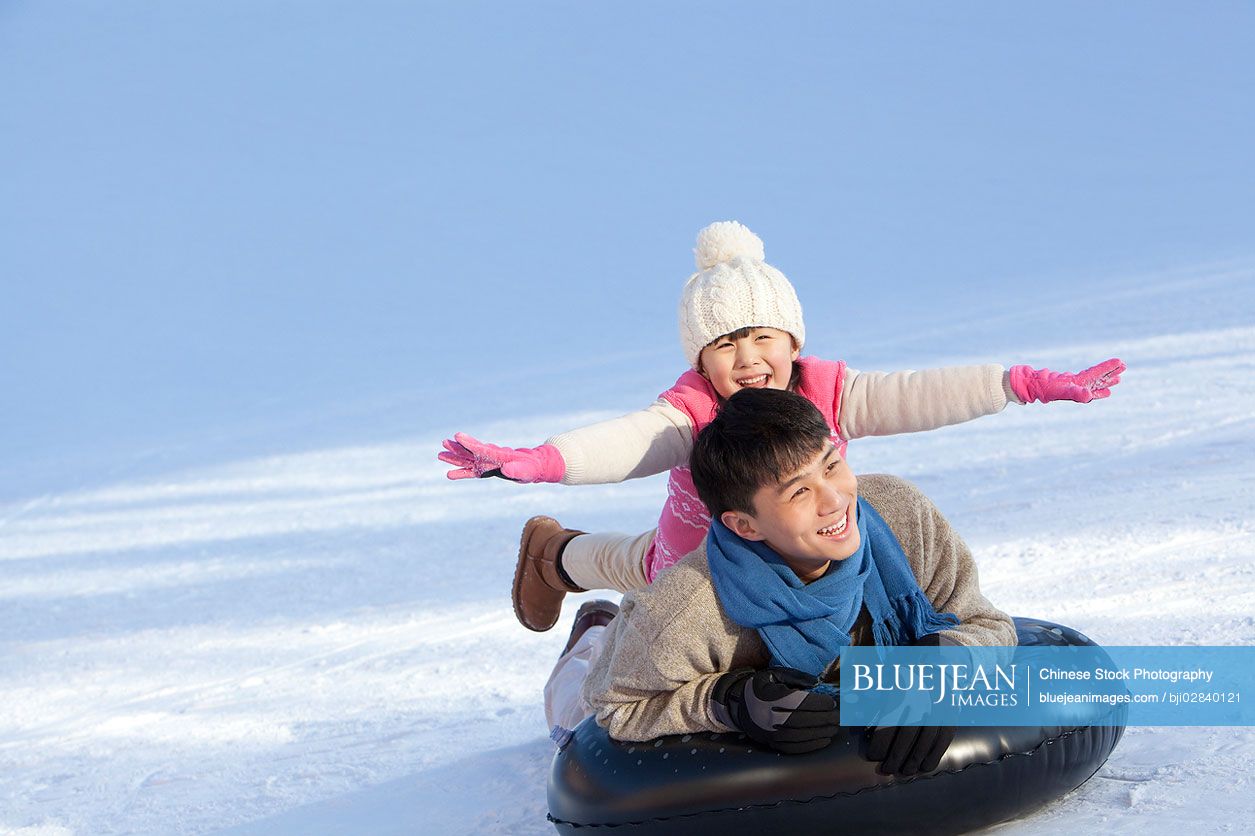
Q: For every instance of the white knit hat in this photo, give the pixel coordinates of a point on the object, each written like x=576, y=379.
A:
x=734, y=288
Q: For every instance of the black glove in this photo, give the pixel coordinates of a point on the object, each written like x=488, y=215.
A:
x=776, y=707
x=909, y=750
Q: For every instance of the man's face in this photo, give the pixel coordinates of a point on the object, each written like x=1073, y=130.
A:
x=809, y=518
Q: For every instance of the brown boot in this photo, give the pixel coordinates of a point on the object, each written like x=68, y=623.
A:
x=538, y=587
x=590, y=614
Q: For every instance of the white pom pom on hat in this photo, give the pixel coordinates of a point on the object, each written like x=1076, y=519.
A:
x=724, y=241
x=734, y=287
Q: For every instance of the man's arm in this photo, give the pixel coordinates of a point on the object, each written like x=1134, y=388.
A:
x=639, y=699
x=650, y=680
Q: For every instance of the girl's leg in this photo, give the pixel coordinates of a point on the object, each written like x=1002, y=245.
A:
x=554, y=561
x=608, y=561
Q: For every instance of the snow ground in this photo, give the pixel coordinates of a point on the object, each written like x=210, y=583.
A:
x=322, y=642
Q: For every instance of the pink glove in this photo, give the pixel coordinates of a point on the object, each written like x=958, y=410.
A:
x=1044, y=385
x=473, y=458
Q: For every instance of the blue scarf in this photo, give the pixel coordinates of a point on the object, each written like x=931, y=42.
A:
x=805, y=625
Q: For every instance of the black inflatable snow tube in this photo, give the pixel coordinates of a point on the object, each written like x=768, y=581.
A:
x=721, y=783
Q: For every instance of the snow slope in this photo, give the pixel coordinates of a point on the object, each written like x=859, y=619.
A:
x=320, y=641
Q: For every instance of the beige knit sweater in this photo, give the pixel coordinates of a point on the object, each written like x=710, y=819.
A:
x=671, y=641
x=658, y=438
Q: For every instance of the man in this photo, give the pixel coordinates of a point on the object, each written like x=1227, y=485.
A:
x=744, y=633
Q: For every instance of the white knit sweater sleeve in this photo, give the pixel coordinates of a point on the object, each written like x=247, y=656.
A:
x=637, y=444
x=880, y=403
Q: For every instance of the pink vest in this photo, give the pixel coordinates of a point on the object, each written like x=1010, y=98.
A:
x=685, y=520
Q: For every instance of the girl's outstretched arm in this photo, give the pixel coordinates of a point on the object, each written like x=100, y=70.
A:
x=881, y=403
x=638, y=444
x=876, y=403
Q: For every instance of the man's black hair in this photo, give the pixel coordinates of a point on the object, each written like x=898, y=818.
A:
x=760, y=437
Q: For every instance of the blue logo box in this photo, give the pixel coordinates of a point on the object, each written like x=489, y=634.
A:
x=1048, y=686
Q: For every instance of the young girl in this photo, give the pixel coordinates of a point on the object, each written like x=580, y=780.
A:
x=741, y=327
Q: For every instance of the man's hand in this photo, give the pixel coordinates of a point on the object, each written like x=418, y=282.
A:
x=777, y=708
x=1045, y=386
x=909, y=750
x=472, y=459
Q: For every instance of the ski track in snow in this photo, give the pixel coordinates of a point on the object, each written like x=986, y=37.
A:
x=323, y=642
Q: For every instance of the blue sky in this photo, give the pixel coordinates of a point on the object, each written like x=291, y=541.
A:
x=222, y=218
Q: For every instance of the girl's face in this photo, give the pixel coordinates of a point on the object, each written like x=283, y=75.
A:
x=762, y=358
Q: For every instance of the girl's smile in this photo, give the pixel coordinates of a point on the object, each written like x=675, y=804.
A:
x=751, y=358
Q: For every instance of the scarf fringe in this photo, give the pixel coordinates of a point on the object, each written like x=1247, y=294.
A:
x=916, y=619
